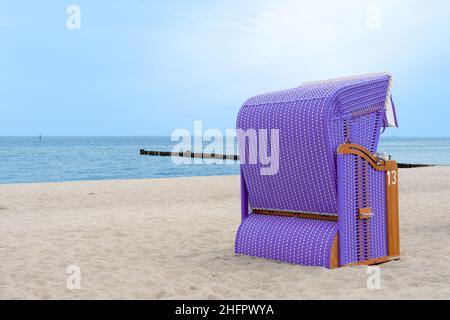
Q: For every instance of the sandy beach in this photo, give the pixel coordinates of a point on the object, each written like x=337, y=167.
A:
x=174, y=239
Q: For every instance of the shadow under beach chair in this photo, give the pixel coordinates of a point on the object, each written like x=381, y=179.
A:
x=333, y=201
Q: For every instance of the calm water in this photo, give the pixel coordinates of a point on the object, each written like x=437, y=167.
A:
x=26, y=159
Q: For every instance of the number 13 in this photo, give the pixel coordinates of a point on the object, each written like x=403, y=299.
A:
x=392, y=177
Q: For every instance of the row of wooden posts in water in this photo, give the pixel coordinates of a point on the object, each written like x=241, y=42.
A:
x=189, y=155
x=234, y=157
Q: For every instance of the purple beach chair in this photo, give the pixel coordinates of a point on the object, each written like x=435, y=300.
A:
x=331, y=200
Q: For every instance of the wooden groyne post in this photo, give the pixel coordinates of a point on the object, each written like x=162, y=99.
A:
x=235, y=157
x=189, y=154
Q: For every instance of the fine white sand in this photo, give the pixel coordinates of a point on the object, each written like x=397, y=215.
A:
x=174, y=238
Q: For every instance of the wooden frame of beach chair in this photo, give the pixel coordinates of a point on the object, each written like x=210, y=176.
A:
x=347, y=212
x=389, y=169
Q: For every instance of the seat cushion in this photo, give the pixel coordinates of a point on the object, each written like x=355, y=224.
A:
x=290, y=239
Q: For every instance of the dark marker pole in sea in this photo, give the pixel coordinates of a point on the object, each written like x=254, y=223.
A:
x=40, y=137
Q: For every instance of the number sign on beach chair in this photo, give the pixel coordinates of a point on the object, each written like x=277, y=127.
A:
x=332, y=200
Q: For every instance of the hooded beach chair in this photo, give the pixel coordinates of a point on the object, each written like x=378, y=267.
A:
x=330, y=199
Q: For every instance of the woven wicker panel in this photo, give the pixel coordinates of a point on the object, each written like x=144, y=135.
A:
x=348, y=210
x=377, y=191
x=361, y=186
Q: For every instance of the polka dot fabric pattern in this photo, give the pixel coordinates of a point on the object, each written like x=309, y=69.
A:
x=289, y=239
x=313, y=120
x=300, y=183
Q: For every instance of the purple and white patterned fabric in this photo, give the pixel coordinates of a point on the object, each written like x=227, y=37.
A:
x=313, y=120
x=293, y=240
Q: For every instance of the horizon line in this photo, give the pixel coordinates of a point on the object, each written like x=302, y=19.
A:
x=165, y=136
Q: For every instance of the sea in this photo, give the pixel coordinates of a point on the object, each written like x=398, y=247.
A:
x=54, y=159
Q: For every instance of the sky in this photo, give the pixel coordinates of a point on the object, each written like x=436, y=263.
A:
x=143, y=68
